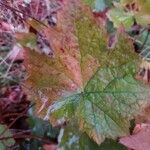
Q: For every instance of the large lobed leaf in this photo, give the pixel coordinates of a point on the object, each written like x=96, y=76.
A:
x=96, y=84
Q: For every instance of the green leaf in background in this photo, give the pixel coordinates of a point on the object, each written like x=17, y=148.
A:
x=110, y=27
x=2, y=146
x=5, y=143
x=100, y=5
x=143, y=42
x=142, y=20
x=140, y=6
x=71, y=138
x=119, y=17
x=90, y=3
x=126, y=10
x=41, y=129
x=144, y=38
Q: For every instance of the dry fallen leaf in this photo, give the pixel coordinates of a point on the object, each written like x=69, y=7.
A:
x=140, y=140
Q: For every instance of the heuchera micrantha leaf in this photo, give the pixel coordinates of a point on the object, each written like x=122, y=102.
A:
x=96, y=85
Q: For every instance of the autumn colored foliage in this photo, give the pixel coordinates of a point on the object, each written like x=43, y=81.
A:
x=74, y=74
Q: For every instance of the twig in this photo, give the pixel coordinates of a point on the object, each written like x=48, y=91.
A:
x=7, y=56
x=21, y=114
x=11, y=63
x=11, y=115
x=16, y=10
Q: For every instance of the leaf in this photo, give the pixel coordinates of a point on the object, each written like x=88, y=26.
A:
x=99, y=5
x=110, y=144
x=128, y=10
x=71, y=138
x=90, y=2
x=7, y=142
x=102, y=112
x=138, y=141
x=141, y=5
x=43, y=129
x=144, y=50
x=102, y=92
x=119, y=17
